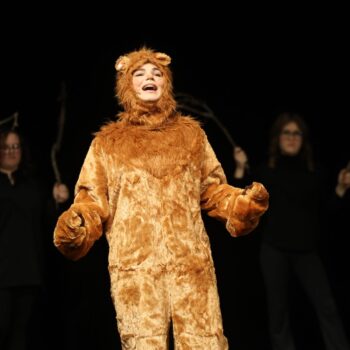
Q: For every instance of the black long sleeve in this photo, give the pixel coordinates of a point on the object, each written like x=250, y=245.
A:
x=293, y=220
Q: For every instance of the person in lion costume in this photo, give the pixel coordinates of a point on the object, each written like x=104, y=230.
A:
x=143, y=183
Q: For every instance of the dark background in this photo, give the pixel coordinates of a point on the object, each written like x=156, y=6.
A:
x=248, y=66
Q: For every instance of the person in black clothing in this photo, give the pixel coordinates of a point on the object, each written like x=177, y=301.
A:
x=290, y=231
x=337, y=244
x=22, y=204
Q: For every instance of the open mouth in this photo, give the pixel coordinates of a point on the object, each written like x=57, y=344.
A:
x=149, y=87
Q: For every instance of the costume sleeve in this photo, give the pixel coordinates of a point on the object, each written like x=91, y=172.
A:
x=82, y=224
x=240, y=209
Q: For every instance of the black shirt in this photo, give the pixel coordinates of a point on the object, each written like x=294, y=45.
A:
x=293, y=219
x=21, y=240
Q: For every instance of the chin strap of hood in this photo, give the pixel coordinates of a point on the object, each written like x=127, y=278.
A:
x=140, y=112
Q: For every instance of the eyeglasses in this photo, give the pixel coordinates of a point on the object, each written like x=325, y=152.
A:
x=295, y=133
x=11, y=148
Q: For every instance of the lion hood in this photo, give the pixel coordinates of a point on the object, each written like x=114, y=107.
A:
x=136, y=111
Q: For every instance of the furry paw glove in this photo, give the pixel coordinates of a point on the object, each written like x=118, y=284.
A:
x=240, y=209
x=76, y=231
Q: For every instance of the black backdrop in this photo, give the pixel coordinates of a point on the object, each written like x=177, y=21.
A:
x=247, y=70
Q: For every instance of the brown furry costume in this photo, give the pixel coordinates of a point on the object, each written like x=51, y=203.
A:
x=144, y=182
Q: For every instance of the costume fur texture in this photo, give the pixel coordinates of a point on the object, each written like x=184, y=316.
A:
x=143, y=183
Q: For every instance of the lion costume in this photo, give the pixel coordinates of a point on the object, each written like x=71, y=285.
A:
x=143, y=183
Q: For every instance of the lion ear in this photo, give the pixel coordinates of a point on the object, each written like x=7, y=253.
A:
x=163, y=58
x=122, y=63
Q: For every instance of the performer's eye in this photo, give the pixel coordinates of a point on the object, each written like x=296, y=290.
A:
x=158, y=74
x=138, y=73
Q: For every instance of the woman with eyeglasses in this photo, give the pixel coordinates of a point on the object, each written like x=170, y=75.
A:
x=22, y=208
x=290, y=231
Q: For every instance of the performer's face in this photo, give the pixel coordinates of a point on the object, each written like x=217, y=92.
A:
x=148, y=82
x=291, y=139
x=10, y=153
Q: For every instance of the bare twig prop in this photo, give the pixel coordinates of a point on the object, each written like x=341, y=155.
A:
x=193, y=105
x=57, y=144
x=13, y=118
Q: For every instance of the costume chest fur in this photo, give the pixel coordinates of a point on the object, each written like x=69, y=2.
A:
x=163, y=151
x=153, y=179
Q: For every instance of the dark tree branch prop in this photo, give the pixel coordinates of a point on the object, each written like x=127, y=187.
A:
x=13, y=118
x=58, y=143
x=188, y=103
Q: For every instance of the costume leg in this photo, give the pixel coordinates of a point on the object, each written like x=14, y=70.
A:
x=275, y=270
x=312, y=274
x=196, y=315
x=142, y=305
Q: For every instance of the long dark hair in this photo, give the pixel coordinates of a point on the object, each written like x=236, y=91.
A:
x=274, y=149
